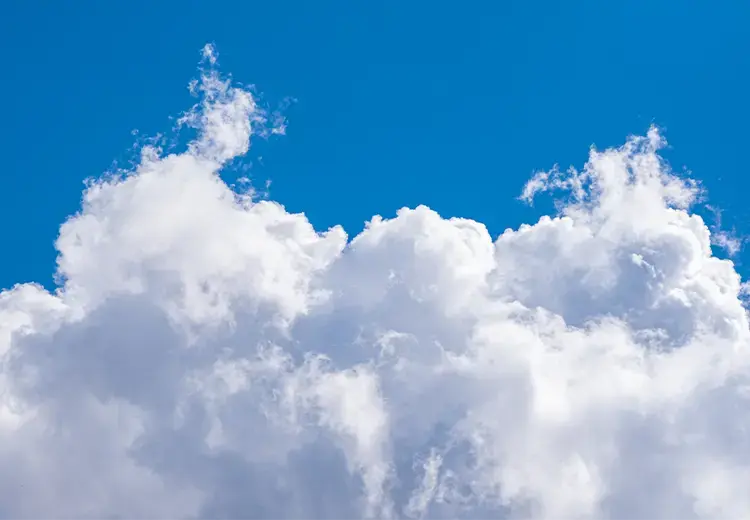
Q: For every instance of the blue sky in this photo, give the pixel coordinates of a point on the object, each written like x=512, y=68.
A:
x=397, y=103
x=209, y=358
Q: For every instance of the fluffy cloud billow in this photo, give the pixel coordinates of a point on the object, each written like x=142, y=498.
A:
x=210, y=355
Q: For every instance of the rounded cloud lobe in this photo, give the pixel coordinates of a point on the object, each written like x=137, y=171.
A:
x=210, y=355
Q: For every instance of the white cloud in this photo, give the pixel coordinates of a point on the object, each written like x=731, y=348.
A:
x=211, y=355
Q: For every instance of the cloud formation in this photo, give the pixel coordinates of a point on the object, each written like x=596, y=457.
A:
x=210, y=355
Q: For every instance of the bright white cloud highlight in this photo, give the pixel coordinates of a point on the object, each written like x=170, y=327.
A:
x=210, y=355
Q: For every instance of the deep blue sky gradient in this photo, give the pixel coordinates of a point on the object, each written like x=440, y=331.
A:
x=449, y=104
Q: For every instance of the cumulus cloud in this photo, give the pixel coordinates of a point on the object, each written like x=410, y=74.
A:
x=210, y=355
